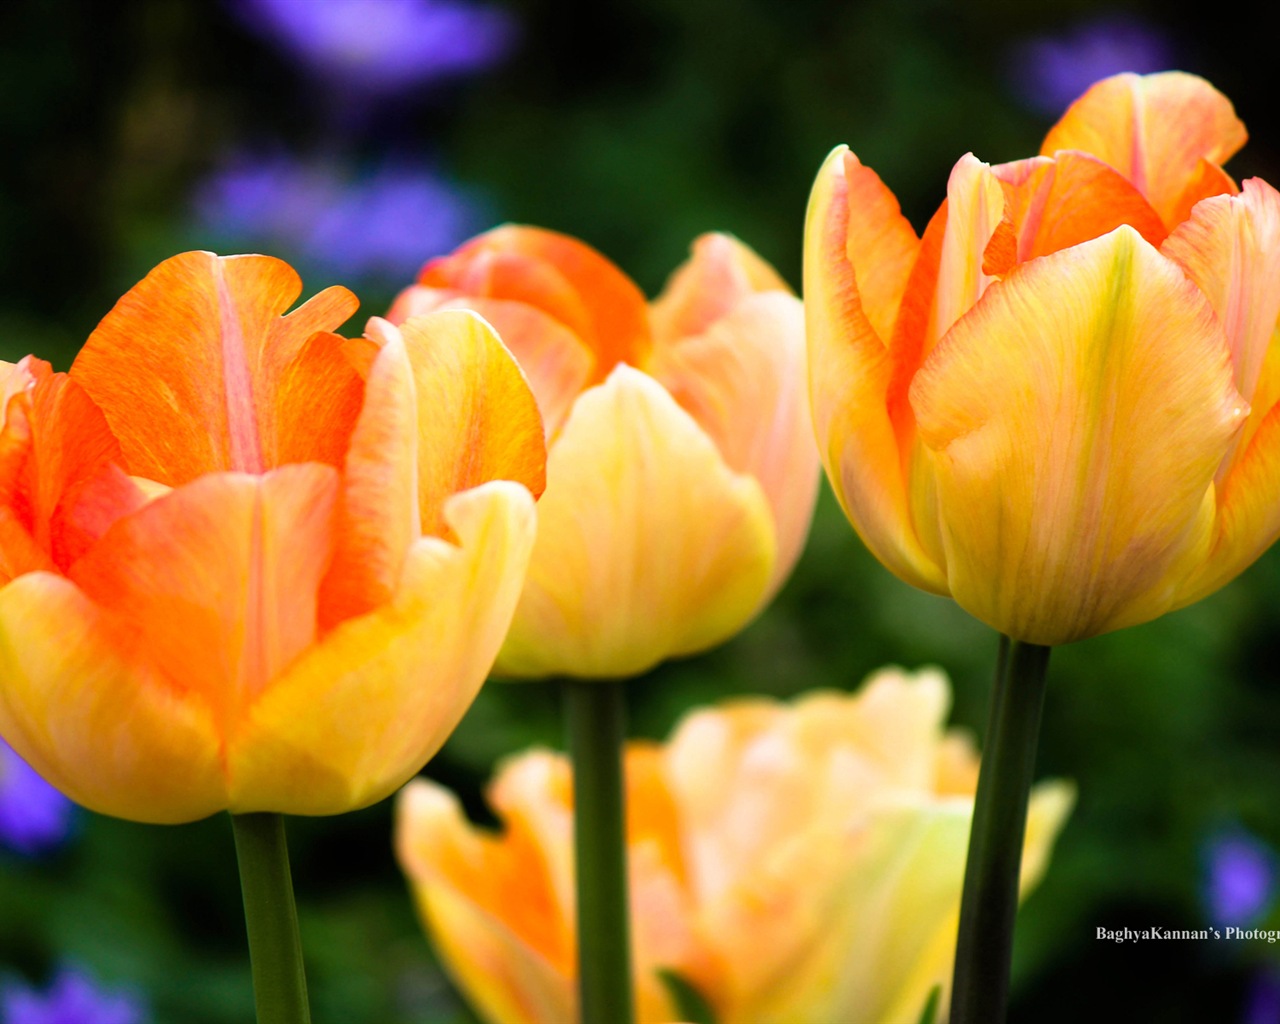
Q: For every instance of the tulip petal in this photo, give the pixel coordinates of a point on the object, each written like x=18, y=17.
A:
x=85, y=708
x=477, y=419
x=456, y=876
x=378, y=516
x=934, y=958
x=218, y=579
x=1248, y=514
x=1056, y=203
x=1231, y=249
x=744, y=383
x=559, y=275
x=720, y=273
x=975, y=209
x=405, y=672
x=196, y=370
x=556, y=362
x=649, y=545
x=1033, y=407
x=1155, y=130
x=850, y=372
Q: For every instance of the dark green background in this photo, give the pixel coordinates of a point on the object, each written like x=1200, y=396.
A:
x=637, y=125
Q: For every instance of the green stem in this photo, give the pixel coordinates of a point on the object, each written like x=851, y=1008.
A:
x=275, y=949
x=984, y=947
x=596, y=713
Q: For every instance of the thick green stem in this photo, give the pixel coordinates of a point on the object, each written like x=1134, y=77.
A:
x=596, y=717
x=275, y=948
x=984, y=947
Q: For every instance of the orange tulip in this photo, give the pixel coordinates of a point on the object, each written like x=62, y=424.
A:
x=796, y=863
x=681, y=474
x=248, y=564
x=1057, y=405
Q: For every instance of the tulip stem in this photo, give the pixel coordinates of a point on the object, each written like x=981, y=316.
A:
x=596, y=717
x=984, y=946
x=275, y=948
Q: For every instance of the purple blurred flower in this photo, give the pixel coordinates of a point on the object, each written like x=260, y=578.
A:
x=33, y=815
x=1049, y=72
x=383, y=47
x=1262, y=1006
x=382, y=225
x=72, y=998
x=1240, y=878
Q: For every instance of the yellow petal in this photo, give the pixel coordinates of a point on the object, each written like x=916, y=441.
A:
x=477, y=419
x=975, y=208
x=850, y=372
x=1050, y=804
x=557, y=363
x=87, y=710
x=743, y=380
x=406, y=671
x=1153, y=129
x=649, y=545
x=1076, y=417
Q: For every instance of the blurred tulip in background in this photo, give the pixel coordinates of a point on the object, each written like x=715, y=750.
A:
x=794, y=862
x=681, y=474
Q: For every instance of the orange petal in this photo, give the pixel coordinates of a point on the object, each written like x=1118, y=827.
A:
x=555, y=361
x=880, y=245
x=85, y=707
x=378, y=513
x=196, y=371
x=649, y=545
x=477, y=419
x=719, y=274
x=744, y=382
x=405, y=672
x=559, y=275
x=1060, y=202
x=459, y=878
x=850, y=371
x=1155, y=130
x=217, y=580
x=1076, y=417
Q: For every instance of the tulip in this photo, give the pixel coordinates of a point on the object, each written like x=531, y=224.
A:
x=247, y=564
x=1056, y=405
x=795, y=863
x=680, y=476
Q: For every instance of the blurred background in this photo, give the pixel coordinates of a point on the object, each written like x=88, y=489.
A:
x=356, y=138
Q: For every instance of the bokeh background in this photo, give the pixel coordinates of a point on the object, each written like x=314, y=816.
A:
x=357, y=139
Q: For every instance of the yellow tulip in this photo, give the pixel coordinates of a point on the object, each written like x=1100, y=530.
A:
x=796, y=863
x=1056, y=405
x=681, y=474
x=247, y=564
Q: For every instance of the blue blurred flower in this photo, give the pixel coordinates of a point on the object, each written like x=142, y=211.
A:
x=72, y=998
x=383, y=47
x=1050, y=71
x=33, y=815
x=382, y=225
x=1240, y=878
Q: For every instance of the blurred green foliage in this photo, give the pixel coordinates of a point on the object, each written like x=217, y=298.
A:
x=637, y=125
